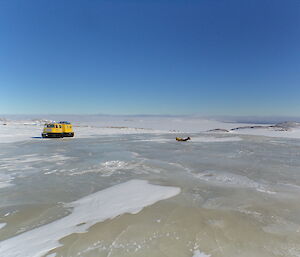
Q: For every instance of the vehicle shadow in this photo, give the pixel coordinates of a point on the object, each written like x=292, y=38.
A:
x=36, y=137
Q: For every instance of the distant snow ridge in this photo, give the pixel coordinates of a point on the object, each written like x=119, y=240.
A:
x=129, y=197
x=284, y=126
x=288, y=125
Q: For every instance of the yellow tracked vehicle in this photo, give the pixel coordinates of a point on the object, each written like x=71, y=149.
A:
x=58, y=129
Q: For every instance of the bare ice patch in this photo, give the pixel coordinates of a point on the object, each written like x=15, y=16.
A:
x=108, y=168
x=229, y=179
x=23, y=165
x=5, y=180
x=129, y=197
x=25, y=162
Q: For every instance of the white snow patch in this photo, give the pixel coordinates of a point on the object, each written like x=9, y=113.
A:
x=129, y=197
x=2, y=225
x=197, y=253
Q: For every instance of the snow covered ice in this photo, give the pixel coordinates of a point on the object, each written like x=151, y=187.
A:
x=140, y=193
x=128, y=197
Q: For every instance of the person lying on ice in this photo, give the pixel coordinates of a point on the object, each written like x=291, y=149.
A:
x=182, y=139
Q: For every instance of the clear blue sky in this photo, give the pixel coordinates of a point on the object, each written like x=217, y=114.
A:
x=210, y=57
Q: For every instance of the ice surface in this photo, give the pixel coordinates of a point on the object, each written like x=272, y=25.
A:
x=233, y=187
x=130, y=197
x=2, y=225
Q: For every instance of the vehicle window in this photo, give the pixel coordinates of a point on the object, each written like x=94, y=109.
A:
x=56, y=126
x=60, y=126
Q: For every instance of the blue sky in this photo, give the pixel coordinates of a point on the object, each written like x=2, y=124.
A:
x=207, y=57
